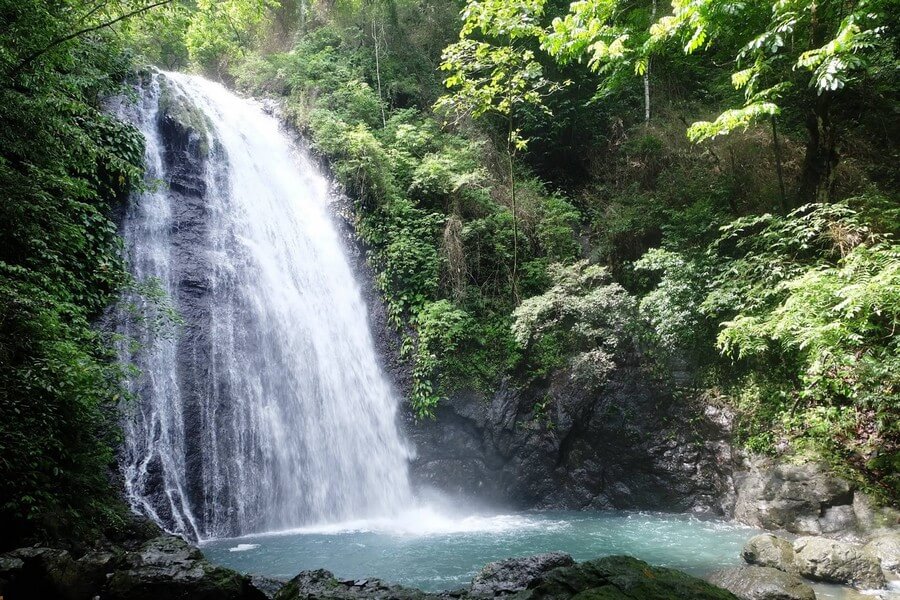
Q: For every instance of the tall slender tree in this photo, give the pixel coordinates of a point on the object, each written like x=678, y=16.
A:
x=492, y=72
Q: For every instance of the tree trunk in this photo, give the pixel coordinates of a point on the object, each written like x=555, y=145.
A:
x=378, y=73
x=647, y=73
x=647, y=94
x=821, y=157
x=510, y=155
x=776, y=146
x=515, y=216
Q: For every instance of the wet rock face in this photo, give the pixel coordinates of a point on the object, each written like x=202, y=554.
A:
x=822, y=559
x=517, y=574
x=555, y=445
x=762, y=583
x=186, y=155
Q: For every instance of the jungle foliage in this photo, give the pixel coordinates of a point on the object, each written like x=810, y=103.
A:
x=64, y=164
x=545, y=188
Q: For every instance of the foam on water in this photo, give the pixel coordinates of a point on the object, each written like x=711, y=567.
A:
x=425, y=521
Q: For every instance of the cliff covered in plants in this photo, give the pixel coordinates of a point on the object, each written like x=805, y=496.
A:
x=702, y=194
x=549, y=188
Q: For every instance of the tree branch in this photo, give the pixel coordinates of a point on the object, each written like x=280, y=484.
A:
x=62, y=40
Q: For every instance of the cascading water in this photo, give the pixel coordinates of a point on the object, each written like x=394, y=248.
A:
x=267, y=408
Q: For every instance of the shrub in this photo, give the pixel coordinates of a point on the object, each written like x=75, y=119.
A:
x=587, y=316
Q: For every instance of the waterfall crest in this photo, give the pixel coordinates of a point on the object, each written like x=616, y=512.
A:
x=267, y=409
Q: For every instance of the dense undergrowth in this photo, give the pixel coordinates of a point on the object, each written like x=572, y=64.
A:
x=552, y=215
x=64, y=164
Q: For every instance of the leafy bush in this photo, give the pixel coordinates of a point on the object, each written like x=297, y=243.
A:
x=808, y=305
x=441, y=328
x=556, y=229
x=587, y=316
x=837, y=324
x=403, y=251
x=677, y=326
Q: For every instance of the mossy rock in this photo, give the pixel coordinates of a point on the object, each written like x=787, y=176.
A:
x=622, y=578
x=184, y=116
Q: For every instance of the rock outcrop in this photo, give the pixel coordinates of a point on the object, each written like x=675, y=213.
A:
x=762, y=583
x=886, y=546
x=165, y=567
x=632, y=446
x=804, y=499
x=832, y=561
x=168, y=567
x=824, y=559
x=797, y=498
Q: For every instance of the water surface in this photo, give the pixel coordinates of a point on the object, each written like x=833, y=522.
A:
x=433, y=553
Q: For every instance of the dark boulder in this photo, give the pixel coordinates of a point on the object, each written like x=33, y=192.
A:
x=622, y=578
x=52, y=573
x=517, y=574
x=10, y=570
x=168, y=567
x=323, y=585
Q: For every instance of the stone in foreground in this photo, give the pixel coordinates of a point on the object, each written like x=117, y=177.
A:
x=822, y=559
x=169, y=568
x=762, y=583
x=622, y=578
x=517, y=574
x=886, y=547
x=611, y=578
x=323, y=585
x=767, y=550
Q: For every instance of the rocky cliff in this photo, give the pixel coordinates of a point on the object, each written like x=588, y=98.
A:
x=552, y=444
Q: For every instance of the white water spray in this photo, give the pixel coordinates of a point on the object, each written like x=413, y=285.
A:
x=267, y=410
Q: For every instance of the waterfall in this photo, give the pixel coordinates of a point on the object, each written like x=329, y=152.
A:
x=267, y=408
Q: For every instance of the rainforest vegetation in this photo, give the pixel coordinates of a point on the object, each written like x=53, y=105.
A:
x=542, y=187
